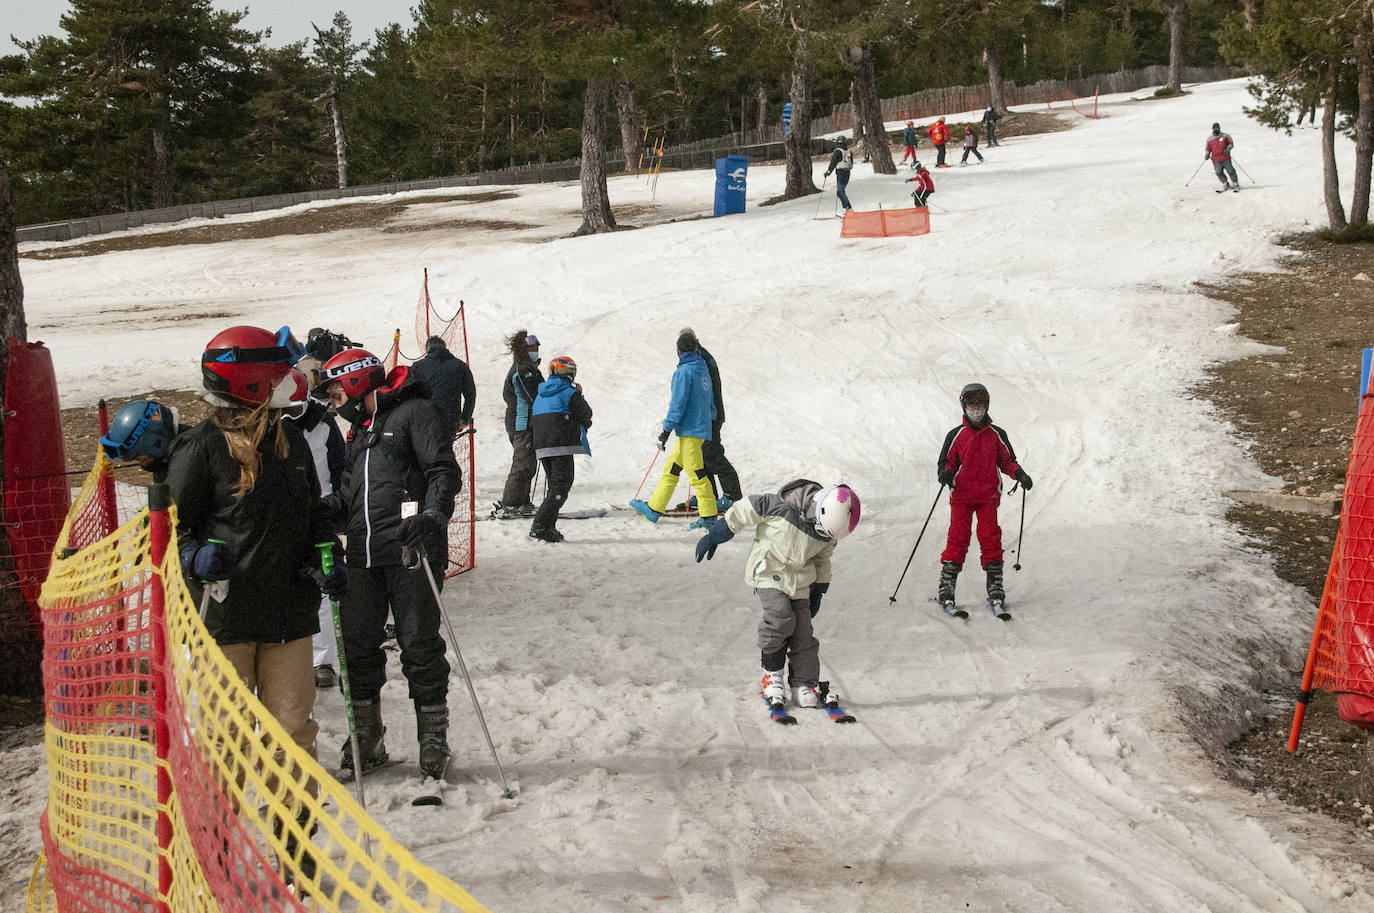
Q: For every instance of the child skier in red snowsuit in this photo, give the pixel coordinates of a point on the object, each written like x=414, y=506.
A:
x=925, y=185
x=969, y=462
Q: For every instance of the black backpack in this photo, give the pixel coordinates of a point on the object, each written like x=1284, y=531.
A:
x=323, y=344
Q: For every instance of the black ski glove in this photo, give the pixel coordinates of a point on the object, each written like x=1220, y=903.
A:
x=212, y=561
x=663, y=440
x=334, y=584
x=718, y=534
x=817, y=591
x=1024, y=479
x=947, y=478
x=415, y=530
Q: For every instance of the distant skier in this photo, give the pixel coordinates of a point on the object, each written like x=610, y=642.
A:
x=841, y=162
x=1219, y=146
x=972, y=454
x=690, y=413
x=925, y=185
x=990, y=118
x=939, y=135
x=970, y=145
x=143, y=431
x=909, y=140
x=795, y=532
x=560, y=421
x=520, y=389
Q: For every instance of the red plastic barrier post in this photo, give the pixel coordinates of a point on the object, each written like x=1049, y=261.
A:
x=160, y=535
x=107, y=486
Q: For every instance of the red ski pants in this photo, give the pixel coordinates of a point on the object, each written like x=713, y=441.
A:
x=961, y=529
x=910, y=152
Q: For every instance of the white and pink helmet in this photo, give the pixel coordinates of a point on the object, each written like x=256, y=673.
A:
x=837, y=511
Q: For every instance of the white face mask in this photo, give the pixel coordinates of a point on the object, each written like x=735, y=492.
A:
x=976, y=413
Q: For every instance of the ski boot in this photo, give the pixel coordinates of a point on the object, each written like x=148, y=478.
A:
x=949, y=575
x=290, y=863
x=431, y=724
x=367, y=717
x=545, y=534
x=807, y=696
x=774, y=686
x=645, y=511
x=995, y=591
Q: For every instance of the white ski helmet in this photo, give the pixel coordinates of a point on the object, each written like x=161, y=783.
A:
x=837, y=511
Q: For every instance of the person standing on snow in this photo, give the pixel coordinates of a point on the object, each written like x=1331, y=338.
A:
x=795, y=532
x=970, y=145
x=990, y=117
x=520, y=389
x=395, y=496
x=449, y=379
x=909, y=140
x=841, y=162
x=925, y=185
x=939, y=135
x=972, y=454
x=690, y=413
x=1219, y=146
x=717, y=465
x=560, y=423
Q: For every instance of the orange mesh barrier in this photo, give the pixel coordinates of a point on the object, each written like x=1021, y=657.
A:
x=885, y=223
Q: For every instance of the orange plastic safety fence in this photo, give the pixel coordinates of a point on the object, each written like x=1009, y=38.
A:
x=885, y=223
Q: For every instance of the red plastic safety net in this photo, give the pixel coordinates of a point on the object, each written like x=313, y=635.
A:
x=885, y=223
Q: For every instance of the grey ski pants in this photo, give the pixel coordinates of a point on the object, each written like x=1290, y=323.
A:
x=786, y=625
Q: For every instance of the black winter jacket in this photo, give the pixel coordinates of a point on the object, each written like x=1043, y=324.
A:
x=451, y=388
x=272, y=532
x=523, y=378
x=715, y=382
x=404, y=453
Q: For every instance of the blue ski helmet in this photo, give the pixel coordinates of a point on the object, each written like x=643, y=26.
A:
x=141, y=428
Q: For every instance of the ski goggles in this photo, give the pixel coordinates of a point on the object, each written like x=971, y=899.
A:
x=287, y=351
x=115, y=449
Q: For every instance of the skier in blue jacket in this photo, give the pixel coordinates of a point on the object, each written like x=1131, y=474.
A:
x=691, y=411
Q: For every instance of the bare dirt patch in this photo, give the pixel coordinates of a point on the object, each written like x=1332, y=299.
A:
x=310, y=222
x=1297, y=410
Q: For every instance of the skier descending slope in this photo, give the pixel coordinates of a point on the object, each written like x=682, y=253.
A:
x=795, y=532
x=973, y=453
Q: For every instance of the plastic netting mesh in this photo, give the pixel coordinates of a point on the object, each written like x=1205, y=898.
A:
x=241, y=798
x=885, y=223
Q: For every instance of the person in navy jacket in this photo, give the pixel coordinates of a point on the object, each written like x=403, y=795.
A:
x=559, y=419
x=969, y=462
x=691, y=411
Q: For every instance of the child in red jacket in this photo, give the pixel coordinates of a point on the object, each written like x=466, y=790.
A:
x=925, y=185
x=969, y=461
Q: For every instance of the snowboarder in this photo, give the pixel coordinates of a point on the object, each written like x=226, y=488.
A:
x=691, y=410
x=1219, y=146
x=841, y=163
x=970, y=145
x=909, y=140
x=990, y=117
x=395, y=498
x=327, y=448
x=925, y=185
x=718, y=466
x=972, y=454
x=939, y=135
x=795, y=532
x=520, y=389
x=450, y=384
x=560, y=423
x=143, y=431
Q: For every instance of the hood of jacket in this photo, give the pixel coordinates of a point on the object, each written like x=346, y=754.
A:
x=401, y=384
x=801, y=494
x=554, y=385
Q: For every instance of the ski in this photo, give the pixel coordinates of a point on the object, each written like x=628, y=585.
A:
x=346, y=773
x=950, y=608
x=836, y=713
x=779, y=713
x=432, y=788
x=998, y=608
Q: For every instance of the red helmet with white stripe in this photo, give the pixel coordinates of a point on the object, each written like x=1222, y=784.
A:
x=358, y=370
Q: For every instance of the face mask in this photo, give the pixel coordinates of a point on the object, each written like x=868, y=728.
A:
x=976, y=413
x=534, y=357
x=351, y=411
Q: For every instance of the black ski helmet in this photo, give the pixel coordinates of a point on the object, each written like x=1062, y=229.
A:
x=1216, y=128
x=973, y=388
x=842, y=141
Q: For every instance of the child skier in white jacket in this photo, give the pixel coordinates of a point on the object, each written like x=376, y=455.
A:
x=795, y=532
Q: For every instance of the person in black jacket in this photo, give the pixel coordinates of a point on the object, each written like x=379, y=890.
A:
x=249, y=516
x=395, y=497
x=449, y=379
x=990, y=117
x=520, y=389
x=723, y=476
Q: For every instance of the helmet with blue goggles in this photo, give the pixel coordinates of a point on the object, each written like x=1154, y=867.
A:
x=141, y=428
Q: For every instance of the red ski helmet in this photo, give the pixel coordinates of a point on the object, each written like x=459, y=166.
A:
x=358, y=370
x=244, y=363
x=911, y=123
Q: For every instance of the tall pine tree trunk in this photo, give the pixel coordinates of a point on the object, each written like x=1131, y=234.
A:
x=868, y=108
x=858, y=139
x=340, y=145
x=1176, y=12
x=596, y=199
x=798, y=143
x=1364, y=123
x=163, y=181
x=995, y=93
x=631, y=124
x=1331, y=186
x=763, y=114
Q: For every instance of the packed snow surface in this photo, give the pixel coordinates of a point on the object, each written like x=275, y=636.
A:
x=1047, y=763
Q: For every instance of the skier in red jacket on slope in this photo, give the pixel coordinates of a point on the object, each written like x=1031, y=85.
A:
x=1219, y=146
x=925, y=185
x=969, y=463
x=939, y=135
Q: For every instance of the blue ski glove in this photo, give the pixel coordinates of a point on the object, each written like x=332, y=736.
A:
x=817, y=591
x=334, y=584
x=415, y=530
x=1023, y=478
x=212, y=561
x=718, y=534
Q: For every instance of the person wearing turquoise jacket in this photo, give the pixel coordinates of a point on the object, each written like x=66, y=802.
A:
x=691, y=411
x=559, y=418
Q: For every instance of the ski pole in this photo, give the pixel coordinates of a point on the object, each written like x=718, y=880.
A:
x=892, y=600
x=1195, y=171
x=327, y=565
x=506, y=792
x=1020, y=532
x=1243, y=171
x=819, y=199
x=646, y=473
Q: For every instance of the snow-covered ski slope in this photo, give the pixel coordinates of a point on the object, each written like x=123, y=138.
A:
x=1046, y=764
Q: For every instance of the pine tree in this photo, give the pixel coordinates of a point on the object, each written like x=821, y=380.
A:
x=337, y=55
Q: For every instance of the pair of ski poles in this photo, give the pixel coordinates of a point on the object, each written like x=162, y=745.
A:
x=892, y=600
x=1233, y=162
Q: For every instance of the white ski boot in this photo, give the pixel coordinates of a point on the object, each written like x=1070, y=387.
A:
x=806, y=696
x=774, y=686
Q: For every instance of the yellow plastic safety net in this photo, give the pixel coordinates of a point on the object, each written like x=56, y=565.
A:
x=250, y=821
